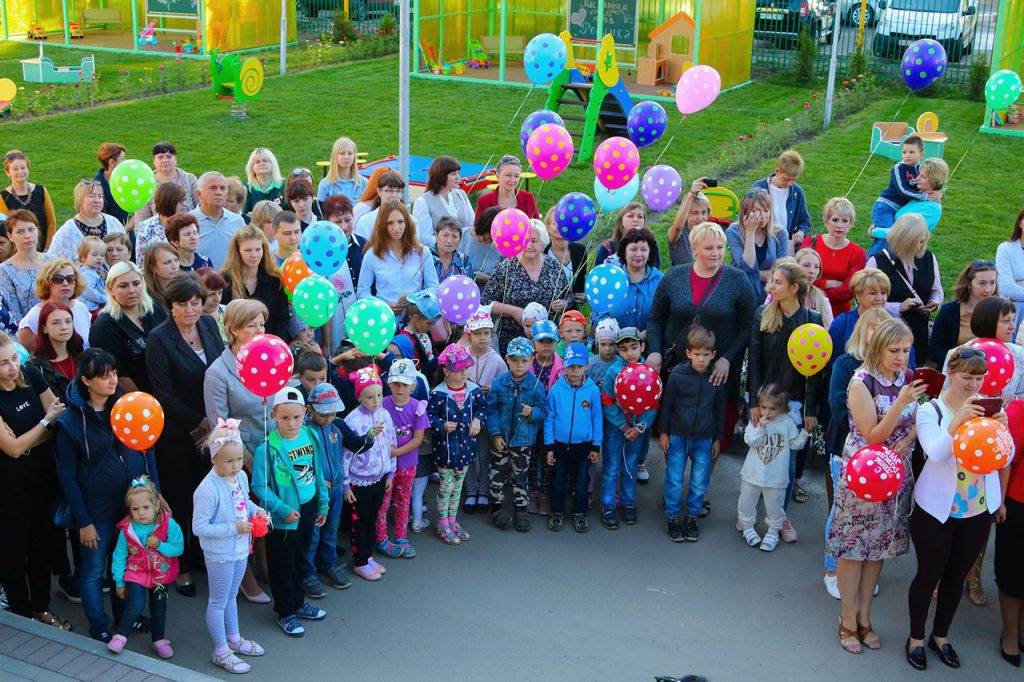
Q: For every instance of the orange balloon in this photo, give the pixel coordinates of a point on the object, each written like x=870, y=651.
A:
x=137, y=420
x=982, y=445
x=294, y=271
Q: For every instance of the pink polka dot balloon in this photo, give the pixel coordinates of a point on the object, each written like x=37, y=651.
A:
x=697, y=89
x=549, y=150
x=616, y=162
x=1000, y=365
x=809, y=348
x=264, y=364
x=510, y=232
x=637, y=388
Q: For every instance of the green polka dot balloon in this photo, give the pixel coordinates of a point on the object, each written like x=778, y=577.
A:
x=315, y=300
x=132, y=184
x=370, y=325
x=1002, y=90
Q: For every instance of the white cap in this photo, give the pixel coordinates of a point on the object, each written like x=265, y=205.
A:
x=288, y=395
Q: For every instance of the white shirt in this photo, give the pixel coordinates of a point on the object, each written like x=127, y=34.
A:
x=65, y=240
x=80, y=317
x=364, y=226
x=779, y=213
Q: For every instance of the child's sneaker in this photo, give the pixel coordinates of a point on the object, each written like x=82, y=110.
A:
x=580, y=523
x=521, y=522
x=629, y=514
x=377, y=567
x=500, y=518
x=556, y=521
x=609, y=520
x=420, y=526
x=389, y=549
x=291, y=626
x=690, y=531
x=705, y=510
x=752, y=538
x=312, y=587
x=309, y=612
x=832, y=586
x=366, y=572
x=788, y=532
x=642, y=475
x=336, y=578
x=770, y=542
x=231, y=663
x=116, y=643
x=408, y=552
x=674, y=529
x=163, y=649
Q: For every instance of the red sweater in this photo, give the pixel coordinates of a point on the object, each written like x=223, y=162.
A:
x=524, y=202
x=838, y=265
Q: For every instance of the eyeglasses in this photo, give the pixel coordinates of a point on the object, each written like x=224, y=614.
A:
x=968, y=353
x=60, y=279
x=982, y=264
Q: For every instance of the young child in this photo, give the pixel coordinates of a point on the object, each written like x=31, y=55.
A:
x=532, y=313
x=311, y=370
x=456, y=409
x=409, y=417
x=690, y=425
x=144, y=563
x=222, y=515
x=572, y=328
x=572, y=436
x=287, y=478
x=487, y=366
x=119, y=248
x=547, y=364
x=604, y=335
x=626, y=437
x=789, y=205
x=765, y=472
x=287, y=231
x=902, y=189
x=516, y=409
x=371, y=472
x=932, y=175
x=421, y=312
x=92, y=253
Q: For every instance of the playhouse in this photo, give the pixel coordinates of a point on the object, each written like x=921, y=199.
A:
x=1008, y=53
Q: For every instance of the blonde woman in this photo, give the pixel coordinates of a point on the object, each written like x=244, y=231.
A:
x=810, y=261
x=262, y=216
x=263, y=179
x=343, y=175
x=89, y=221
x=59, y=281
x=756, y=240
x=251, y=272
x=840, y=257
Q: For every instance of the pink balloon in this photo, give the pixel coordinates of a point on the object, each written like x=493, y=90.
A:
x=1000, y=366
x=616, y=162
x=549, y=150
x=697, y=89
x=510, y=232
x=264, y=364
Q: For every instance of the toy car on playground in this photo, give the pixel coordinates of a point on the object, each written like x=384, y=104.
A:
x=950, y=22
x=75, y=30
x=782, y=21
x=36, y=31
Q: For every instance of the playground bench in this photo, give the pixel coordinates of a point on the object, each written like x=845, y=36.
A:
x=101, y=17
x=514, y=45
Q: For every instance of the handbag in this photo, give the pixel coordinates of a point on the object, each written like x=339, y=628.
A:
x=60, y=509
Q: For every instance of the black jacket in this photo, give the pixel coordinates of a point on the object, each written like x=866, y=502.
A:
x=945, y=333
x=270, y=292
x=768, y=361
x=126, y=342
x=692, y=407
x=578, y=259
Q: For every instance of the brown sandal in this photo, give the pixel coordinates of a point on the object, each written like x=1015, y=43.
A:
x=975, y=593
x=48, y=618
x=848, y=640
x=869, y=637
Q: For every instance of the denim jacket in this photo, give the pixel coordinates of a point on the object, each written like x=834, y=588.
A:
x=799, y=219
x=505, y=406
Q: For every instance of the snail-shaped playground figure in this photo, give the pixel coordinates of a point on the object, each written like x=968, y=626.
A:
x=234, y=79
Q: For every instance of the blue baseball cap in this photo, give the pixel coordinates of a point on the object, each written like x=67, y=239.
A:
x=576, y=354
x=426, y=302
x=324, y=399
x=544, y=330
x=519, y=347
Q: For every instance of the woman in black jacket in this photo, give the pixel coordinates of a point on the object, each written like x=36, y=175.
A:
x=178, y=352
x=573, y=258
x=952, y=326
x=250, y=272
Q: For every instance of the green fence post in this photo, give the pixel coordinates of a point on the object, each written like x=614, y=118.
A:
x=67, y=26
x=501, y=43
x=3, y=18
x=696, y=33
x=600, y=25
x=135, y=27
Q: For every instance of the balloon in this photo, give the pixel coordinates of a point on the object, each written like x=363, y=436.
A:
x=646, y=123
x=1002, y=89
x=260, y=525
x=606, y=288
x=575, y=216
x=874, y=473
x=510, y=231
x=982, y=445
x=137, y=420
x=132, y=184
x=697, y=89
x=23, y=354
x=315, y=300
x=536, y=120
x=264, y=364
x=809, y=348
x=294, y=271
x=370, y=323
x=545, y=57
x=614, y=199
x=924, y=62
x=323, y=247
x=637, y=388
x=459, y=298
x=661, y=187
x=616, y=162
x=1000, y=366
x=549, y=150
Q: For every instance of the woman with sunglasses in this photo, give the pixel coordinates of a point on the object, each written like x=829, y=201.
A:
x=952, y=326
x=1010, y=263
x=18, y=273
x=443, y=199
x=89, y=221
x=28, y=196
x=756, y=241
x=507, y=193
x=58, y=281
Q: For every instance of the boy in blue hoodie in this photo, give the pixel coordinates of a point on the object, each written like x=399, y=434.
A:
x=572, y=437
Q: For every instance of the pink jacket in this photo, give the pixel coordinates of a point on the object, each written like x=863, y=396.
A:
x=556, y=370
x=145, y=566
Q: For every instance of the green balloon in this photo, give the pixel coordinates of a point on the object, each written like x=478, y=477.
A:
x=132, y=184
x=315, y=300
x=370, y=324
x=1002, y=89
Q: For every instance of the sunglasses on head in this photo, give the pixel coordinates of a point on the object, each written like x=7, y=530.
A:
x=60, y=279
x=508, y=159
x=757, y=192
x=968, y=353
x=982, y=264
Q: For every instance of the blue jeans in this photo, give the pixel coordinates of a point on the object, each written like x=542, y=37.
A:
x=323, y=547
x=136, y=603
x=620, y=457
x=91, y=571
x=835, y=465
x=796, y=412
x=681, y=449
x=882, y=215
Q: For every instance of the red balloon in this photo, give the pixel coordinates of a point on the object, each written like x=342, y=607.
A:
x=637, y=388
x=1000, y=366
x=264, y=364
x=874, y=473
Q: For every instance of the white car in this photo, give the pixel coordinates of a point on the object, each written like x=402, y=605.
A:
x=901, y=22
x=851, y=12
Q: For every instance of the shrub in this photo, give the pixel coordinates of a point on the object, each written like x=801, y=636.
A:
x=387, y=25
x=807, y=57
x=342, y=28
x=858, y=64
x=977, y=79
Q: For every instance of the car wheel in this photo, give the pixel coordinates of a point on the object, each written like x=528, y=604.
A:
x=853, y=16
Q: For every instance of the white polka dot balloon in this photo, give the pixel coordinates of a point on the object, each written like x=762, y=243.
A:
x=370, y=324
x=458, y=297
x=606, y=287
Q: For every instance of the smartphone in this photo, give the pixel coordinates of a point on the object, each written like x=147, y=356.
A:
x=989, y=406
x=932, y=379
x=711, y=182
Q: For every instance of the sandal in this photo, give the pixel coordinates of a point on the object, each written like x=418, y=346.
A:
x=48, y=618
x=869, y=637
x=231, y=663
x=522, y=522
x=976, y=593
x=848, y=640
x=447, y=535
x=799, y=494
x=462, y=534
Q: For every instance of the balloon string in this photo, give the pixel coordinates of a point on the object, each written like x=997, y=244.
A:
x=575, y=274
x=873, y=149
x=511, y=120
x=665, y=149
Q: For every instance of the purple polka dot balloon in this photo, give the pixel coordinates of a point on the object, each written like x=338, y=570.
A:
x=536, y=120
x=575, y=215
x=923, y=63
x=661, y=187
x=459, y=297
x=646, y=123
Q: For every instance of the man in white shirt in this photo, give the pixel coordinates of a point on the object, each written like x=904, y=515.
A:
x=217, y=225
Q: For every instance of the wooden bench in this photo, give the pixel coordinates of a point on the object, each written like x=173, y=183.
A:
x=102, y=17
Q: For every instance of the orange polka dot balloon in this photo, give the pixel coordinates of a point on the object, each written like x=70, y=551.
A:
x=982, y=445
x=549, y=150
x=137, y=420
x=510, y=231
x=616, y=162
x=294, y=271
x=809, y=348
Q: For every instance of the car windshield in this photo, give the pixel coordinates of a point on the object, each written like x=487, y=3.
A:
x=945, y=6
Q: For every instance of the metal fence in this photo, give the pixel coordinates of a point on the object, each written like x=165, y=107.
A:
x=965, y=28
x=317, y=16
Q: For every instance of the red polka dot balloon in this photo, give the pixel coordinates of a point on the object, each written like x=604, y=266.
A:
x=616, y=162
x=1000, y=366
x=874, y=473
x=982, y=445
x=809, y=348
x=264, y=364
x=637, y=389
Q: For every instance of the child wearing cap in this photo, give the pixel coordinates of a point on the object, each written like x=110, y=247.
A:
x=421, y=312
x=572, y=328
x=547, y=364
x=456, y=409
x=409, y=417
x=572, y=437
x=604, y=336
x=516, y=408
x=370, y=473
x=287, y=479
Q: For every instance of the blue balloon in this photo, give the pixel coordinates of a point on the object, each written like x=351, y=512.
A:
x=534, y=121
x=646, y=123
x=606, y=287
x=924, y=62
x=575, y=215
x=614, y=199
x=323, y=247
x=545, y=57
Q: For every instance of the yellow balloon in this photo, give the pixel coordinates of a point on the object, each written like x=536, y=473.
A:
x=8, y=90
x=810, y=348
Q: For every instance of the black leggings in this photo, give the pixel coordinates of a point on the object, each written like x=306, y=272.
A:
x=945, y=554
x=364, y=511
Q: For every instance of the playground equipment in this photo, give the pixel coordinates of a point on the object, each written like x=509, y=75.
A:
x=603, y=97
x=670, y=52
x=75, y=30
x=887, y=137
x=236, y=80
x=435, y=65
x=146, y=36
x=1007, y=53
x=725, y=205
x=42, y=70
x=8, y=91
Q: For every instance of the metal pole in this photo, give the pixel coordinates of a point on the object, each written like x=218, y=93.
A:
x=501, y=42
x=600, y=25
x=403, y=91
x=284, y=36
x=67, y=26
x=830, y=92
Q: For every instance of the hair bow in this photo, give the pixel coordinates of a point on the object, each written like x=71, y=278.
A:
x=227, y=423
x=140, y=482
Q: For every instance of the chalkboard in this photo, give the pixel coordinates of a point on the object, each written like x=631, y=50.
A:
x=619, y=20
x=176, y=7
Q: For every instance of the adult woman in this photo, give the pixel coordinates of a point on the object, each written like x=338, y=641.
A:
x=530, y=276
x=27, y=410
x=1010, y=264
x=262, y=216
x=883, y=403
x=370, y=198
x=810, y=261
x=631, y=217
x=123, y=325
x=95, y=471
x=178, y=352
x=250, y=272
x=167, y=202
x=165, y=168
x=343, y=178
x=913, y=272
x=263, y=180
x=694, y=210
x=183, y=235
x=395, y=262
x=57, y=281
x=572, y=256
x=89, y=221
x=215, y=285
x=57, y=347
x=870, y=288
x=952, y=326
x=953, y=512
x=18, y=273
x=29, y=196
x=636, y=251
x=840, y=258
x=160, y=266
x=448, y=260
x=443, y=198
x=1009, y=559
x=507, y=194
x=714, y=295
x=755, y=240
x=109, y=155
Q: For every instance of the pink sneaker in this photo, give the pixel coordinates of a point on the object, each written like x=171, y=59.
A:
x=366, y=572
x=163, y=649
x=788, y=531
x=116, y=643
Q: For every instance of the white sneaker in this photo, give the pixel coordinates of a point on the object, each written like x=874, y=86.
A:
x=770, y=542
x=788, y=531
x=642, y=474
x=832, y=586
x=739, y=526
x=751, y=536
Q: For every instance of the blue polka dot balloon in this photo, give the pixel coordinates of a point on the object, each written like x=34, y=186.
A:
x=323, y=247
x=575, y=215
x=545, y=57
x=606, y=287
x=646, y=123
x=923, y=63
x=534, y=121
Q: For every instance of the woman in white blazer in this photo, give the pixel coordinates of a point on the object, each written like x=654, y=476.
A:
x=954, y=511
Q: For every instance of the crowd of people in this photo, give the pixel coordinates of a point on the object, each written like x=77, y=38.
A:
x=513, y=413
